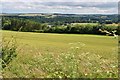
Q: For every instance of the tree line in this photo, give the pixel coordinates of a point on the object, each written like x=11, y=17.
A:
x=28, y=25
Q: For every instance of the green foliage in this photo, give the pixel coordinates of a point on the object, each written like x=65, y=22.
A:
x=28, y=25
x=77, y=64
x=63, y=55
x=8, y=51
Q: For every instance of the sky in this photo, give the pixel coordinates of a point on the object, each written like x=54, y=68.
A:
x=60, y=6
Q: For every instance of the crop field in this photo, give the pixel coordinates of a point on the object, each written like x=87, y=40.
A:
x=46, y=55
x=93, y=24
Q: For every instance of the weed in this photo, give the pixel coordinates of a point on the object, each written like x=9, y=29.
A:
x=8, y=51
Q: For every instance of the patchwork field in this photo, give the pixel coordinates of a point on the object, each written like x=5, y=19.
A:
x=62, y=55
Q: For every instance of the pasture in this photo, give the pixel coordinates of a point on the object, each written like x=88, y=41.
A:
x=93, y=24
x=62, y=55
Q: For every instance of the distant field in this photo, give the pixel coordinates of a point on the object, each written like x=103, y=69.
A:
x=85, y=23
x=99, y=51
x=95, y=24
x=112, y=24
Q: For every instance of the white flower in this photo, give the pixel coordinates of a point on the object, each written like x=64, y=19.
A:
x=60, y=76
x=86, y=74
x=107, y=72
x=87, y=53
x=113, y=66
x=77, y=47
x=98, y=71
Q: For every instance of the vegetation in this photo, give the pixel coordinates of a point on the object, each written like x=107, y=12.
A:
x=63, y=56
x=8, y=51
x=74, y=54
x=28, y=25
x=55, y=19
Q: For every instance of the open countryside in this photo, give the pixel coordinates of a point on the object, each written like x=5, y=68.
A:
x=59, y=50
x=59, y=40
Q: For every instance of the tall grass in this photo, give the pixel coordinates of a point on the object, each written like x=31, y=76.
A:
x=76, y=64
x=9, y=48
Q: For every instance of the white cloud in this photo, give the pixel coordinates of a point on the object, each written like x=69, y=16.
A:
x=59, y=0
x=79, y=7
x=73, y=7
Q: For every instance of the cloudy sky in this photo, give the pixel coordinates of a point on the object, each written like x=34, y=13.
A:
x=60, y=6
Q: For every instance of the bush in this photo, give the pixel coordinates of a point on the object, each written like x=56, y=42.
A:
x=8, y=51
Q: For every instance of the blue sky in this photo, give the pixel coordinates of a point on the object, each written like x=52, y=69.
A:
x=60, y=6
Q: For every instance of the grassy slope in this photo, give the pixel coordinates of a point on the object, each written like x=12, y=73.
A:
x=32, y=44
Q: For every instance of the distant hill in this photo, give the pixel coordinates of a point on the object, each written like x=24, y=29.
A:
x=65, y=18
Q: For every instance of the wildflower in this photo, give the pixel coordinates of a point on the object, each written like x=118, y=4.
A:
x=60, y=76
x=107, y=72
x=77, y=47
x=113, y=66
x=86, y=74
x=87, y=53
x=98, y=71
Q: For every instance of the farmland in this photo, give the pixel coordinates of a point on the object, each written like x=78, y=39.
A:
x=65, y=40
x=62, y=55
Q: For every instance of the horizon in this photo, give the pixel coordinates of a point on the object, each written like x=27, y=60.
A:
x=63, y=13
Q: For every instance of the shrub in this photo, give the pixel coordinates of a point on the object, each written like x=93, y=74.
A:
x=8, y=51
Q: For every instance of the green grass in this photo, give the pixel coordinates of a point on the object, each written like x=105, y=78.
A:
x=93, y=24
x=38, y=53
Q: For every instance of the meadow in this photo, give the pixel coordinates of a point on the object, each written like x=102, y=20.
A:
x=47, y=55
